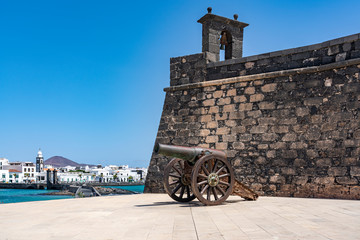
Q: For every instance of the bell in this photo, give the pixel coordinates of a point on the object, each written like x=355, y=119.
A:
x=223, y=40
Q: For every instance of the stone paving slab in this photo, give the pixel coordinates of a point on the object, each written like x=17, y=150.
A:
x=157, y=217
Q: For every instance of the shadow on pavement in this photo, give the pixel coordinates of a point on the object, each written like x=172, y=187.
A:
x=188, y=204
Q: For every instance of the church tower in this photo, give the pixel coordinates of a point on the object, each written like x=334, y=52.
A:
x=39, y=162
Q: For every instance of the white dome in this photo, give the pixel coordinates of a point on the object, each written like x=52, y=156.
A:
x=39, y=153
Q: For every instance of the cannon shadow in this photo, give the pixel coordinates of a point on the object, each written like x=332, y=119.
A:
x=188, y=204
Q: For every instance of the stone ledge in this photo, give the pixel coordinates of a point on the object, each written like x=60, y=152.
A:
x=265, y=75
x=313, y=47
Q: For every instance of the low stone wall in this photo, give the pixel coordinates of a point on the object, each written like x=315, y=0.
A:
x=314, y=55
x=22, y=186
x=292, y=132
x=188, y=69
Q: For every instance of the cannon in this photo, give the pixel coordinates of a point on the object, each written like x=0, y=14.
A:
x=200, y=173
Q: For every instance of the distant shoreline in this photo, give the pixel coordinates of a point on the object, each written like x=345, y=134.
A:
x=103, y=191
x=36, y=185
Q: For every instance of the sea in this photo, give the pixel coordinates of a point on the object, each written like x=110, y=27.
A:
x=29, y=195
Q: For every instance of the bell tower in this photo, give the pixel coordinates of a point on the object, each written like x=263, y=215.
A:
x=39, y=162
x=222, y=33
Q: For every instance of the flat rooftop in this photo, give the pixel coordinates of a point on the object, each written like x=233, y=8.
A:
x=157, y=216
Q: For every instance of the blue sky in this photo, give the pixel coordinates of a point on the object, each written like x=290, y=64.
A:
x=85, y=79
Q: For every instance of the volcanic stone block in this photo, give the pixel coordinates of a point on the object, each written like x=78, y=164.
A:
x=257, y=97
x=355, y=171
x=337, y=171
x=271, y=87
x=325, y=144
x=346, y=180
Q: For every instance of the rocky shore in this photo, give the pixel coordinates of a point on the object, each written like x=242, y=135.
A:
x=103, y=191
x=113, y=191
x=63, y=192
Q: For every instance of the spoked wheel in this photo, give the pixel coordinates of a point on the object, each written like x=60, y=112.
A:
x=177, y=180
x=212, y=180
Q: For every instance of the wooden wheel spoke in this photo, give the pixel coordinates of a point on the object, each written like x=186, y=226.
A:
x=182, y=191
x=177, y=170
x=209, y=165
x=188, y=191
x=205, y=170
x=215, y=165
x=220, y=190
x=215, y=195
x=175, y=182
x=201, y=183
x=204, y=189
x=224, y=175
x=176, y=189
x=208, y=194
x=181, y=164
x=224, y=183
x=222, y=168
x=202, y=175
x=175, y=176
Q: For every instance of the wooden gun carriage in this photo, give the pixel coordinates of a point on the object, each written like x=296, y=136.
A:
x=200, y=173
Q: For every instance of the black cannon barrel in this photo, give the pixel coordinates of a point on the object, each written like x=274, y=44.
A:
x=186, y=153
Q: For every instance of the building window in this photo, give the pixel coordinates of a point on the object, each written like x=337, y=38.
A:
x=32, y=170
x=24, y=169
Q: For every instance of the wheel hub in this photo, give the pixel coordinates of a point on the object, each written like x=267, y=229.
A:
x=186, y=179
x=213, y=179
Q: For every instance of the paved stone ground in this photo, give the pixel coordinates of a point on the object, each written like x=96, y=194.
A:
x=156, y=216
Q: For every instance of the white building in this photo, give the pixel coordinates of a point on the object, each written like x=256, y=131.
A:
x=67, y=169
x=73, y=177
x=28, y=172
x=3, y=162
x=15, y=176
x=102, y=174
x=4, y=176
x=21, y=172
x=41, y=177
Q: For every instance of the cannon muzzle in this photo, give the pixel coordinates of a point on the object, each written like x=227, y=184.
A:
x=190, y=154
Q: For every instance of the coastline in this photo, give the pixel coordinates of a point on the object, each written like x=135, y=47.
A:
x=29, y=195
x=102, y=190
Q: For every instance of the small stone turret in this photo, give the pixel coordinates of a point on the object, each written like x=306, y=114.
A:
x=213, y=27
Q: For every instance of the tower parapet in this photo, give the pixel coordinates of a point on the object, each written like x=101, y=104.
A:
x=218, y=34
x=218, y=31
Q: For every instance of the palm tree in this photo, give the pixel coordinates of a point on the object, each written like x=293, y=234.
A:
x=115, y=177
x=130, y=179
x=27, y=175
x=80, y=175
x=101, y=177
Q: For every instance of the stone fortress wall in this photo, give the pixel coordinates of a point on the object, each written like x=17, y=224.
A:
x=288, y=120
